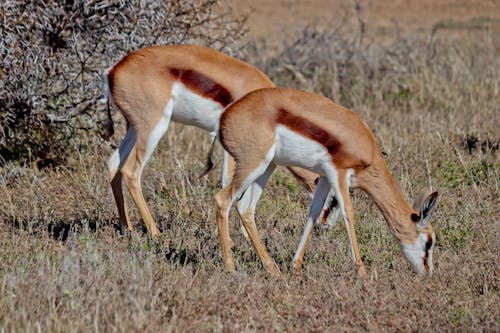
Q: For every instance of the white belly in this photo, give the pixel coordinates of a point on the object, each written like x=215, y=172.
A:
x=193, y=109
x=293, y=149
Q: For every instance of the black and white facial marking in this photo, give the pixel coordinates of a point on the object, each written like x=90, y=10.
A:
x=427, y=260
x=419, y=254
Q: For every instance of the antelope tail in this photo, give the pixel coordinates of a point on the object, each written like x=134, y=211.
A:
x=108, y=123
x=210, y=160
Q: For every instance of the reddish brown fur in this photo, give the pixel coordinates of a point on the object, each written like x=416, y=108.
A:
x=378, y=182
x=203, y=85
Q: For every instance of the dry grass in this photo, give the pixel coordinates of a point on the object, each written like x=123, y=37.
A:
x=63, y=267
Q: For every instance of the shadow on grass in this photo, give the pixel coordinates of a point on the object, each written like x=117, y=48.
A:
x=472, y=142
x=183, y=256
x=64, y=229
x=58, y=229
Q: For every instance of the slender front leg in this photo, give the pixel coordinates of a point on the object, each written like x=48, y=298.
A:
x=320, y=194
x=307, y=178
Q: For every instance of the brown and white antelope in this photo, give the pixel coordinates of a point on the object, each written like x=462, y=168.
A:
x=183, y=83
x=278, y=126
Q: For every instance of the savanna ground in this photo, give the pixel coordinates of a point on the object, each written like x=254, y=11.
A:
x=424, y=75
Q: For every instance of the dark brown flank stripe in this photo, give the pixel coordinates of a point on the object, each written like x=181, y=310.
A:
x=203, y=85
x=312, y=131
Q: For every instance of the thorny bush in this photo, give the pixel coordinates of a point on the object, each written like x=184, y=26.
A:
x=53, y=53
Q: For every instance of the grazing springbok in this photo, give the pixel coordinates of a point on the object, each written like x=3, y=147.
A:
x=278, y=126
x=183, y=83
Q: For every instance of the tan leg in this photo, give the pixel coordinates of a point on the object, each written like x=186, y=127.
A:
x=227, y=174
x=223, y=204
x=147, y=139
x=227, y=169
x=246, y=173
x=348, y=214
x=260, y=248
x=117, y=187
x=246, y=210
x=115, y=164
x=131, y=173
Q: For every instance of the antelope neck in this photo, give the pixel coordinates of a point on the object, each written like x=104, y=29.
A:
x=377, y=181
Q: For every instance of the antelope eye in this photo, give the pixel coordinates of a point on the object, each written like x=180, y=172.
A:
x=415, y=218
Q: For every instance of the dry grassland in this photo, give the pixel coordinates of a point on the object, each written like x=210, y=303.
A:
x=64, y=267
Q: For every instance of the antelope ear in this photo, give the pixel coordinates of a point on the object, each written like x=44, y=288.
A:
x=427, y=208
x=419, y=200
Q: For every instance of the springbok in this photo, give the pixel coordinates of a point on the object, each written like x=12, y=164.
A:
x=183, y=83
x=277, y=126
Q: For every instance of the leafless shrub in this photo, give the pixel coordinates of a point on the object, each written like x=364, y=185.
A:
x=52, y=55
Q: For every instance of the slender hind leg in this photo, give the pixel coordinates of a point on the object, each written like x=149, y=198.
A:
x=243, y=178
x=115, y=165
x=347, y=210
x=318, y=201
x=117, y=187
x=147, y=140
x=246, y=209
x=227, y=168
x=227, y=175
x=132, y=176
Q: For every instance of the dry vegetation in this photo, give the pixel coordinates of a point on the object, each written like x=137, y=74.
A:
x=53, y=55
x=433, y=103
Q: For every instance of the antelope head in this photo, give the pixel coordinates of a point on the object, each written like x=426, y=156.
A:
x=419, y=253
